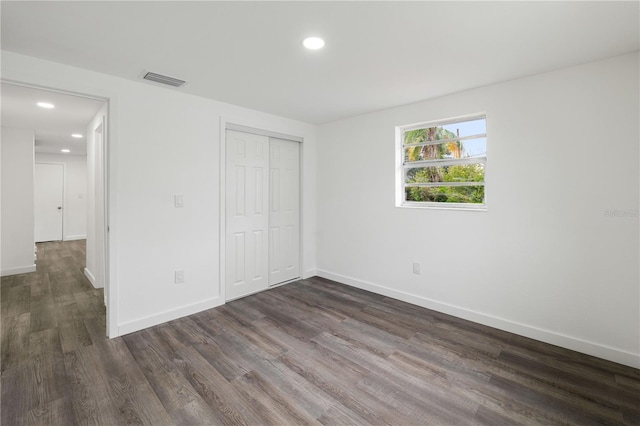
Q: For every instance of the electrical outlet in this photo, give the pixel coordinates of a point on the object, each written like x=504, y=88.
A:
x=179, y=277
x=416, y=268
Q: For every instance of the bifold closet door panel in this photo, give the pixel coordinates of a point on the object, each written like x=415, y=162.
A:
x=284, y=210
x=247, y=213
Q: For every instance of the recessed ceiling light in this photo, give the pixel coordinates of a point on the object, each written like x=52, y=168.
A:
x=47, y=105
x=313, y=43
x=76, y=135
x=65, y=150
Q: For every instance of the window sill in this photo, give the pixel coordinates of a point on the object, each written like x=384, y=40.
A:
x=449, y=206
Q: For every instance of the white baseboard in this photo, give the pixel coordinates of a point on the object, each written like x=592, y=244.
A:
x=91, y=278
x=16, y=271
x=569, y=342
x=310, y=273
x=74, y=237
x=183, y=311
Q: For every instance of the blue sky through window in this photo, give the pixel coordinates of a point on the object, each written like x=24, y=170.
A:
x=473, y=147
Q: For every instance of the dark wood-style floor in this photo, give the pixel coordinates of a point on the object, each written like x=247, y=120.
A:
x=311, y=352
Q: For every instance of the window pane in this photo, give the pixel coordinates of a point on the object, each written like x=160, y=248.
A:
x=457, y=173
x=467, y=128
x=446, y=131
x=427, y=134
x=446, y=194
x=459, y=149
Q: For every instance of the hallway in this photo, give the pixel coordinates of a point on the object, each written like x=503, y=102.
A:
x=45, y=315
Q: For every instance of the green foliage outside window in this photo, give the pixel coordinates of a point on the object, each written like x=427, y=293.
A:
x=447, y=194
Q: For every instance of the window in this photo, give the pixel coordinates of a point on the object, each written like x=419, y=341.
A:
x=442, y=164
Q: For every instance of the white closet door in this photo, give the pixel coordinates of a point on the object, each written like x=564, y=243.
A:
x=49, y=192
x=247, y=213
x=284, y=211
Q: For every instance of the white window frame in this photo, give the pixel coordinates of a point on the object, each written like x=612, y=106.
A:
x=401, y=167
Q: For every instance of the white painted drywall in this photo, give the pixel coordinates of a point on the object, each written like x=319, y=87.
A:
x=164, y=142
x=75, y=193
x=548, y=259
x=18, y=244
x=95, y=267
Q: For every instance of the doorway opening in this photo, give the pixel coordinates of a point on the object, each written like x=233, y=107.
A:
x=69, y=162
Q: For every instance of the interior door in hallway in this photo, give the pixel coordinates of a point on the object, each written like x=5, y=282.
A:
x=247, y=213
x=284, y=210
x=48, y=197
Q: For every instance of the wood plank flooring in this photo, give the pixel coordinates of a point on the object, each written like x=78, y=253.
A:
x=311, y=352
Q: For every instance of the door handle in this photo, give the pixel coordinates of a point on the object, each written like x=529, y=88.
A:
x=59, y=207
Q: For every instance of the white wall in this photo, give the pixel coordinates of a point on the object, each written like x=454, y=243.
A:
x=164, y=142
x=546, y=260
x=17, y=215
x=75, y=193
x=95, y=265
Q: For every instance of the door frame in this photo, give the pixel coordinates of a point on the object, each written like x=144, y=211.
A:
x=64, y=192
x=109, y=230
x=234, y=123
x=102, y=244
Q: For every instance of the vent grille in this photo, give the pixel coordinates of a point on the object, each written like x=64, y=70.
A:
x=163, y=79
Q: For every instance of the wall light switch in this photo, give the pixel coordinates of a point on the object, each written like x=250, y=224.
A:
x=178, y=200
x=179, y=277
x=416, y=268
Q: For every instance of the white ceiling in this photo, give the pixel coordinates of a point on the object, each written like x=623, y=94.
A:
x=377, y=54
x=53, y=127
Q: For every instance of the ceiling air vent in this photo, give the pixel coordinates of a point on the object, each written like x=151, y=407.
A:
x=163, y=79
